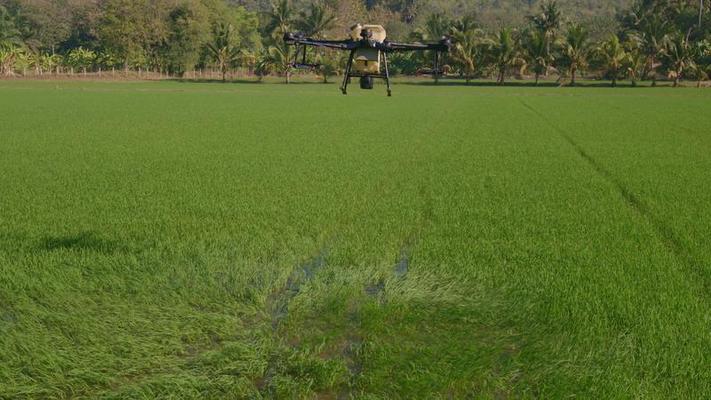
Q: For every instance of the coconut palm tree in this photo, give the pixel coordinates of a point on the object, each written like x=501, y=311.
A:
x=263, y=65
x=504, y=53
x=436, y=26
x=277, y=58
x=223, y=49
x=535, y=50
x=328, y=63
x=575, y=50
x=469, y=50
x=678, y=55
x=315, y=21
x=654, y=30
x=613, y=58
x=281, y=18
x=635, y=58
x=702, y=62
x=547, y=22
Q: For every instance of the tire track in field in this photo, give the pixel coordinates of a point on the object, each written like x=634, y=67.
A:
x=667, y=235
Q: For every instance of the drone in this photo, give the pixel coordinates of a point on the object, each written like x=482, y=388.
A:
x=369, y=48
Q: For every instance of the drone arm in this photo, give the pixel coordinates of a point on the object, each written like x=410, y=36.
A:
x=441, y=46
x=297, y=39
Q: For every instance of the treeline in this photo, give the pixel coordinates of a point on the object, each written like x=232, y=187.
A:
x=647, y=39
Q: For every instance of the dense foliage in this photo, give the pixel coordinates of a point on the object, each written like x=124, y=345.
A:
x=650, y=38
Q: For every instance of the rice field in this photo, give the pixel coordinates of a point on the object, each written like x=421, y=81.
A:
x=267, y=241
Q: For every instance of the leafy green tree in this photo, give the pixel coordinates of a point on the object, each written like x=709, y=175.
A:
x=11, y=45
x=9, y=33
x=44, y=24
x=187, y=32
x=575, y=51
x=613, y=58
x=224, y=48
x=129, y=30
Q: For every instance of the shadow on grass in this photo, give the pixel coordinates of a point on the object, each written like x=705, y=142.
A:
x=84, y=241
x=445, y=82
x=526, y=83
x=251, y=81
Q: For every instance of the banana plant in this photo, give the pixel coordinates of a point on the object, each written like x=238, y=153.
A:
x=224, y=48
x=9, y=56
x=81, y=58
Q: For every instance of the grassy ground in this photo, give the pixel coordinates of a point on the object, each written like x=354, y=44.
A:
x=186, y=240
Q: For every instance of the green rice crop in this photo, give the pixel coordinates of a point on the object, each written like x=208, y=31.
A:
x=246, y=241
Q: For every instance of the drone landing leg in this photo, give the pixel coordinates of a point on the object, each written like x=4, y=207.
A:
x=387, y=73
x=347, y=75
